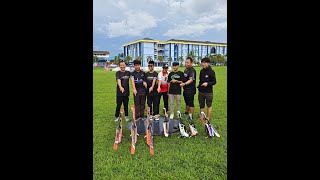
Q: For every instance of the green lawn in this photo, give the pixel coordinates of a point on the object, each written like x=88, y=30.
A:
x=174, y=158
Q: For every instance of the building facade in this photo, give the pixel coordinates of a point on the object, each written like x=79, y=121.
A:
x=172, y=48
x=102, y=55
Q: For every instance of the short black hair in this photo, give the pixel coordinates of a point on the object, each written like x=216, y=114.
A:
x=151, y=62
x=136, y=62
x=122, y=62
x=190, y=58
x=207, y=60
x=175, y=64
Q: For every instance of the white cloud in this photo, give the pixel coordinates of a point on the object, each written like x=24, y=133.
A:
x=120, y=4
x=133, y=25
x=203, y=16
x=172, y=18
x=197, y=27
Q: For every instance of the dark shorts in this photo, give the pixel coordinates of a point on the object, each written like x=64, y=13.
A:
x=205, y=98
x=189, y=98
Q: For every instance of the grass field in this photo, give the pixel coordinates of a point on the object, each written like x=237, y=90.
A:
x=175, y=158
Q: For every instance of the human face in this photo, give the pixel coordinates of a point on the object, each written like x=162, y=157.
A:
x=188, y=63
x=122, y=66
x=175, y=68
x=137, y=67
x=204, y=64
x=164, y=69
x=151, y=67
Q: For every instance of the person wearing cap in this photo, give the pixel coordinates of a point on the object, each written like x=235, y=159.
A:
x=122, y=78
x=207, y=80
x=152, y=93
x=189, y=86
x=175, y=78
x=163, y=85
x=138, y=81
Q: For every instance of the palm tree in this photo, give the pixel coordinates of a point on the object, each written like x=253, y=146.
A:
x=199, y=60
x=139, y=58
x=116, y=59
x=220, y=58
x=128, y=58
x=191, y=54
x=160, y=59
x=149, y=58
x=170, y=60
x=180, y=59
x=95, y=58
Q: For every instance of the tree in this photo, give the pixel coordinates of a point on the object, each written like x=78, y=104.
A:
x=149, y=58
x=160, y=59
x=192, y=55
x=128, y=58
x=139, y=58
x=180, y=59
x=170, y=60
x=116, y=59
x=220, y=58
x=95, y=58
x=199, y=60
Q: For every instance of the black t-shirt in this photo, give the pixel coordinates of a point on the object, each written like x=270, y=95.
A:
x=175, y=87
x=190, y=73
x=124, y=77
x=139, y=78
x=149, y=78
x=207, y=75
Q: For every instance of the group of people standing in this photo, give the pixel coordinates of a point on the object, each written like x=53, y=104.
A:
x=152, y=86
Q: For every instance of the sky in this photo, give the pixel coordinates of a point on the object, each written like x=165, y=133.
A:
x=117, y=22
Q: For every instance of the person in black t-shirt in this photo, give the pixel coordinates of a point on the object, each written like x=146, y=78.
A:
x=189, y=86
x=175, y=78
x=152, y=93
x=122, y=78
x=207, y=80
x=139, y=85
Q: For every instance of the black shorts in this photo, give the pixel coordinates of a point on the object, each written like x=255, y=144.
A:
x=205, y=98
x=189, y=98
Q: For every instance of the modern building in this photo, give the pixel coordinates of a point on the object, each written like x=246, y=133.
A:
x=103, y=57
x=173, y=48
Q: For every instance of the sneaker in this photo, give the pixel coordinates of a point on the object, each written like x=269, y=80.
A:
x=156, y=117
x=117, y=119
x=127, y=119
x=190, y=116
x=171, y=116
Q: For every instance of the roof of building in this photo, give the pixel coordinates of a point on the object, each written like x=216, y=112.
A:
x=206, y=43
x=195, y=41
x=101, y=52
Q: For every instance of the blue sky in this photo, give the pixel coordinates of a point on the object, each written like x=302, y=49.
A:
x=116, y=22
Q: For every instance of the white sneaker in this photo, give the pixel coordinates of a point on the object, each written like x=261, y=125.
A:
x=117, y=119
x=127, y=119
x=171, y=116
x=156, y=117
x=190, y=116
